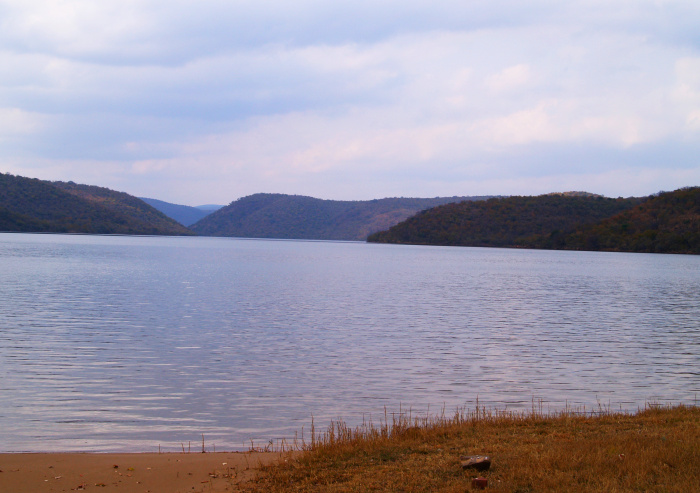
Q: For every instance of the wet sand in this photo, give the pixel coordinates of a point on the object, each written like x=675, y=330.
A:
x=137, y=473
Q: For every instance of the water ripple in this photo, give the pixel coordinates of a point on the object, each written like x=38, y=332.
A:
x=123, y=343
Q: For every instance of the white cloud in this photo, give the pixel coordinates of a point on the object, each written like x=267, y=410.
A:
x=509, y=79
x=15, y=121
x=320, y=97
x=687, y=91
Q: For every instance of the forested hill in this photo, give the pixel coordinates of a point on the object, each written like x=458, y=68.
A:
x=299, y=217
x=32, y=205
x=504, y=222
x=666, y=223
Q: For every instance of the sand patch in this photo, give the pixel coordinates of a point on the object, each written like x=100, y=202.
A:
x=137, y=473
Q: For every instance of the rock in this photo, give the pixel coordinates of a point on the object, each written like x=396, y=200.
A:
x=480, y=483
x=478, y=462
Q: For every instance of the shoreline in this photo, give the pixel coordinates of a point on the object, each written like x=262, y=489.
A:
x=653, y=449
x=130, y=472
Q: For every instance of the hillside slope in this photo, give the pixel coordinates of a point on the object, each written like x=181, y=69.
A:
x=666, y=223
x=299, y=217
x=32, y=205
x=504, y=222
x=184, y=214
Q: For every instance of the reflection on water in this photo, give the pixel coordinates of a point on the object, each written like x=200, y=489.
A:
x=127, y=343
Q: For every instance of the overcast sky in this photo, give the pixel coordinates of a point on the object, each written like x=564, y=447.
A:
x=205, y=101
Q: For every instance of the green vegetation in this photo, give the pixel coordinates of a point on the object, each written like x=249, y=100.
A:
x=657, y=449
x=31, y=205
x=666, y=223
x=299, y=217
x=503, y=222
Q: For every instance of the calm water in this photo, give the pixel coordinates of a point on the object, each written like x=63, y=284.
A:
x=127, y=343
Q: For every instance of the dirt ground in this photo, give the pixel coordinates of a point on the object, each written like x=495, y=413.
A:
x=137, y=473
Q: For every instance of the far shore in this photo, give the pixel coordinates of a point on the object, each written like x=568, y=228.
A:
x=137, y=472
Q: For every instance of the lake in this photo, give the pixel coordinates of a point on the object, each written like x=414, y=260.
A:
x=115, y=343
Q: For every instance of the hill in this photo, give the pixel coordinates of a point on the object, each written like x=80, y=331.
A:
x=504, y=222
x=666, y=223
x=208, y=208
x=299, y=217
x=184, y=214
x=32, y=205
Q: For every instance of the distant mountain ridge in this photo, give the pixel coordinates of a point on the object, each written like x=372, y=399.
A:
x=209, y=207
x=283, y=216
x=32, y=205
x=184, y=214
x=666, y=223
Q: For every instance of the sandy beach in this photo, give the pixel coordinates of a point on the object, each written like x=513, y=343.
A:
x=138, y=473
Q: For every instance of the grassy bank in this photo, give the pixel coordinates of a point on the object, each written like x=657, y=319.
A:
x=657, y=449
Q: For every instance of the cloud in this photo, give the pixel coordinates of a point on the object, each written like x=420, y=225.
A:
x=509, y=79
x=686, y=93
x=15, y=121
x=348, y=99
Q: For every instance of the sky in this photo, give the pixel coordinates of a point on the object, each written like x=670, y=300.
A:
x=208, y=101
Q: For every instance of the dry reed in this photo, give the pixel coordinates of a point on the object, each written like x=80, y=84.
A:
x=655, y=449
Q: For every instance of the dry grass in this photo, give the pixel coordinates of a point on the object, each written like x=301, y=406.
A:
x=657, y=449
